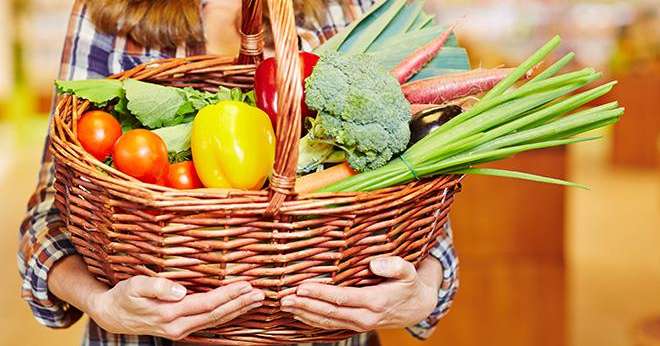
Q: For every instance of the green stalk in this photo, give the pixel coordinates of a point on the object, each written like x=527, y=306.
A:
x=522, y=69
x=554, y=110
x=498, y=115
x=609, y=106
x=554, y=68
x=517, y=175
x=508, y=151
x=399, y=173
x=555, y=129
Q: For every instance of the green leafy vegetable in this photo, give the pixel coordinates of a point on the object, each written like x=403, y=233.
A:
x=177, y=137
x=154, y=105
x=403, y=21
x=360, y=41
x=353, y=30
x=127, y=121
x=313, y=154
x=141, y=104
x=98, y=91
x=391, y=30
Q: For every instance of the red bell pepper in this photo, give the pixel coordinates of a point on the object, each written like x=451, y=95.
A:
x=265, y=86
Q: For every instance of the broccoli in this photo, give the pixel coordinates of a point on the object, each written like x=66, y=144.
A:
x=360, y=110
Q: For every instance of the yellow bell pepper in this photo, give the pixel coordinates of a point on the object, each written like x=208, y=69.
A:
x=233, y=146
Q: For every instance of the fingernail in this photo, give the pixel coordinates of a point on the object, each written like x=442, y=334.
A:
x=257, y=296
x=379, y=265
x=245, y=288
x=179, y=291
x=287, y=301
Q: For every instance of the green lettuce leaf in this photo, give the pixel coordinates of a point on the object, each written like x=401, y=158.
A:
x=97, y=91
x=177, y=137
x=154, y=105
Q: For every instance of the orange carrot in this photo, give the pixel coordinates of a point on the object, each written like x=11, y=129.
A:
x=409, y=66
x=318, y=180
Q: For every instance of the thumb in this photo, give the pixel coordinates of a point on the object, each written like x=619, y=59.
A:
x=393, y=268
x=158, y=288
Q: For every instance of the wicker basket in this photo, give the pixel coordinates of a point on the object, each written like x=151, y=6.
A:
x=206, y=238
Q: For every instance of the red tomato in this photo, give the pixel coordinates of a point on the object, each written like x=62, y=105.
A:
x=183, y=176
x=265, y=86
x=97, y=133
x=142, y=154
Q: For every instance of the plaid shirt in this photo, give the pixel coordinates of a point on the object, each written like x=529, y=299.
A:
x=88, y=54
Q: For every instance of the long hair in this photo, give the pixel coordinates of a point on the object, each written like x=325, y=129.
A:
x=172, y=23
x=149, y=23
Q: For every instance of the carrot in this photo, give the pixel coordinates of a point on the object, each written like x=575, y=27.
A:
x=316, y=181
x=409, y=66
x=450, y=87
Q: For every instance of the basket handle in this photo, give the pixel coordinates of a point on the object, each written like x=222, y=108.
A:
x=252, y=33
x=290, y=93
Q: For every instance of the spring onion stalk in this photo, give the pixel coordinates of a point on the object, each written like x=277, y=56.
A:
x=527, y=65
x=517, y=175
x=554, y=68
x=541, y=113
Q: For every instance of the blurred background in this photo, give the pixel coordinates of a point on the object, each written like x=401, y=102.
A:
x=540, y=265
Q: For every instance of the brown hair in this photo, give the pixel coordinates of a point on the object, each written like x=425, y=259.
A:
x=171, y=23
x=149, y=23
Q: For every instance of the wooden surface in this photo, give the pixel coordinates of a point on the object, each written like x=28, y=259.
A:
x=509, y=238
x=636, y=137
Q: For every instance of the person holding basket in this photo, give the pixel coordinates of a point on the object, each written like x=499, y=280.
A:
x=108, y=36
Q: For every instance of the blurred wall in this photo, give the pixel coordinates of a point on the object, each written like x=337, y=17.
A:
x=5, y=50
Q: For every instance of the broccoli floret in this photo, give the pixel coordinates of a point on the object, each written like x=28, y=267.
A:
x=360, y=109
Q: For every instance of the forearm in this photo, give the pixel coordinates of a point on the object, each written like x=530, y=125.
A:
x=70, y=281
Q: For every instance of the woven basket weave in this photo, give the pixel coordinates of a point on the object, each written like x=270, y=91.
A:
x=206, y=238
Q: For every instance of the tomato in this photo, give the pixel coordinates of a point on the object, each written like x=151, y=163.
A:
x=183, y=176
x=97, y=133
x=265, y=85
x=142, y=154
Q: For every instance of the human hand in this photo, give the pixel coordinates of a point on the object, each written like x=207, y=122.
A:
x=404, y=300
x=144, y=305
